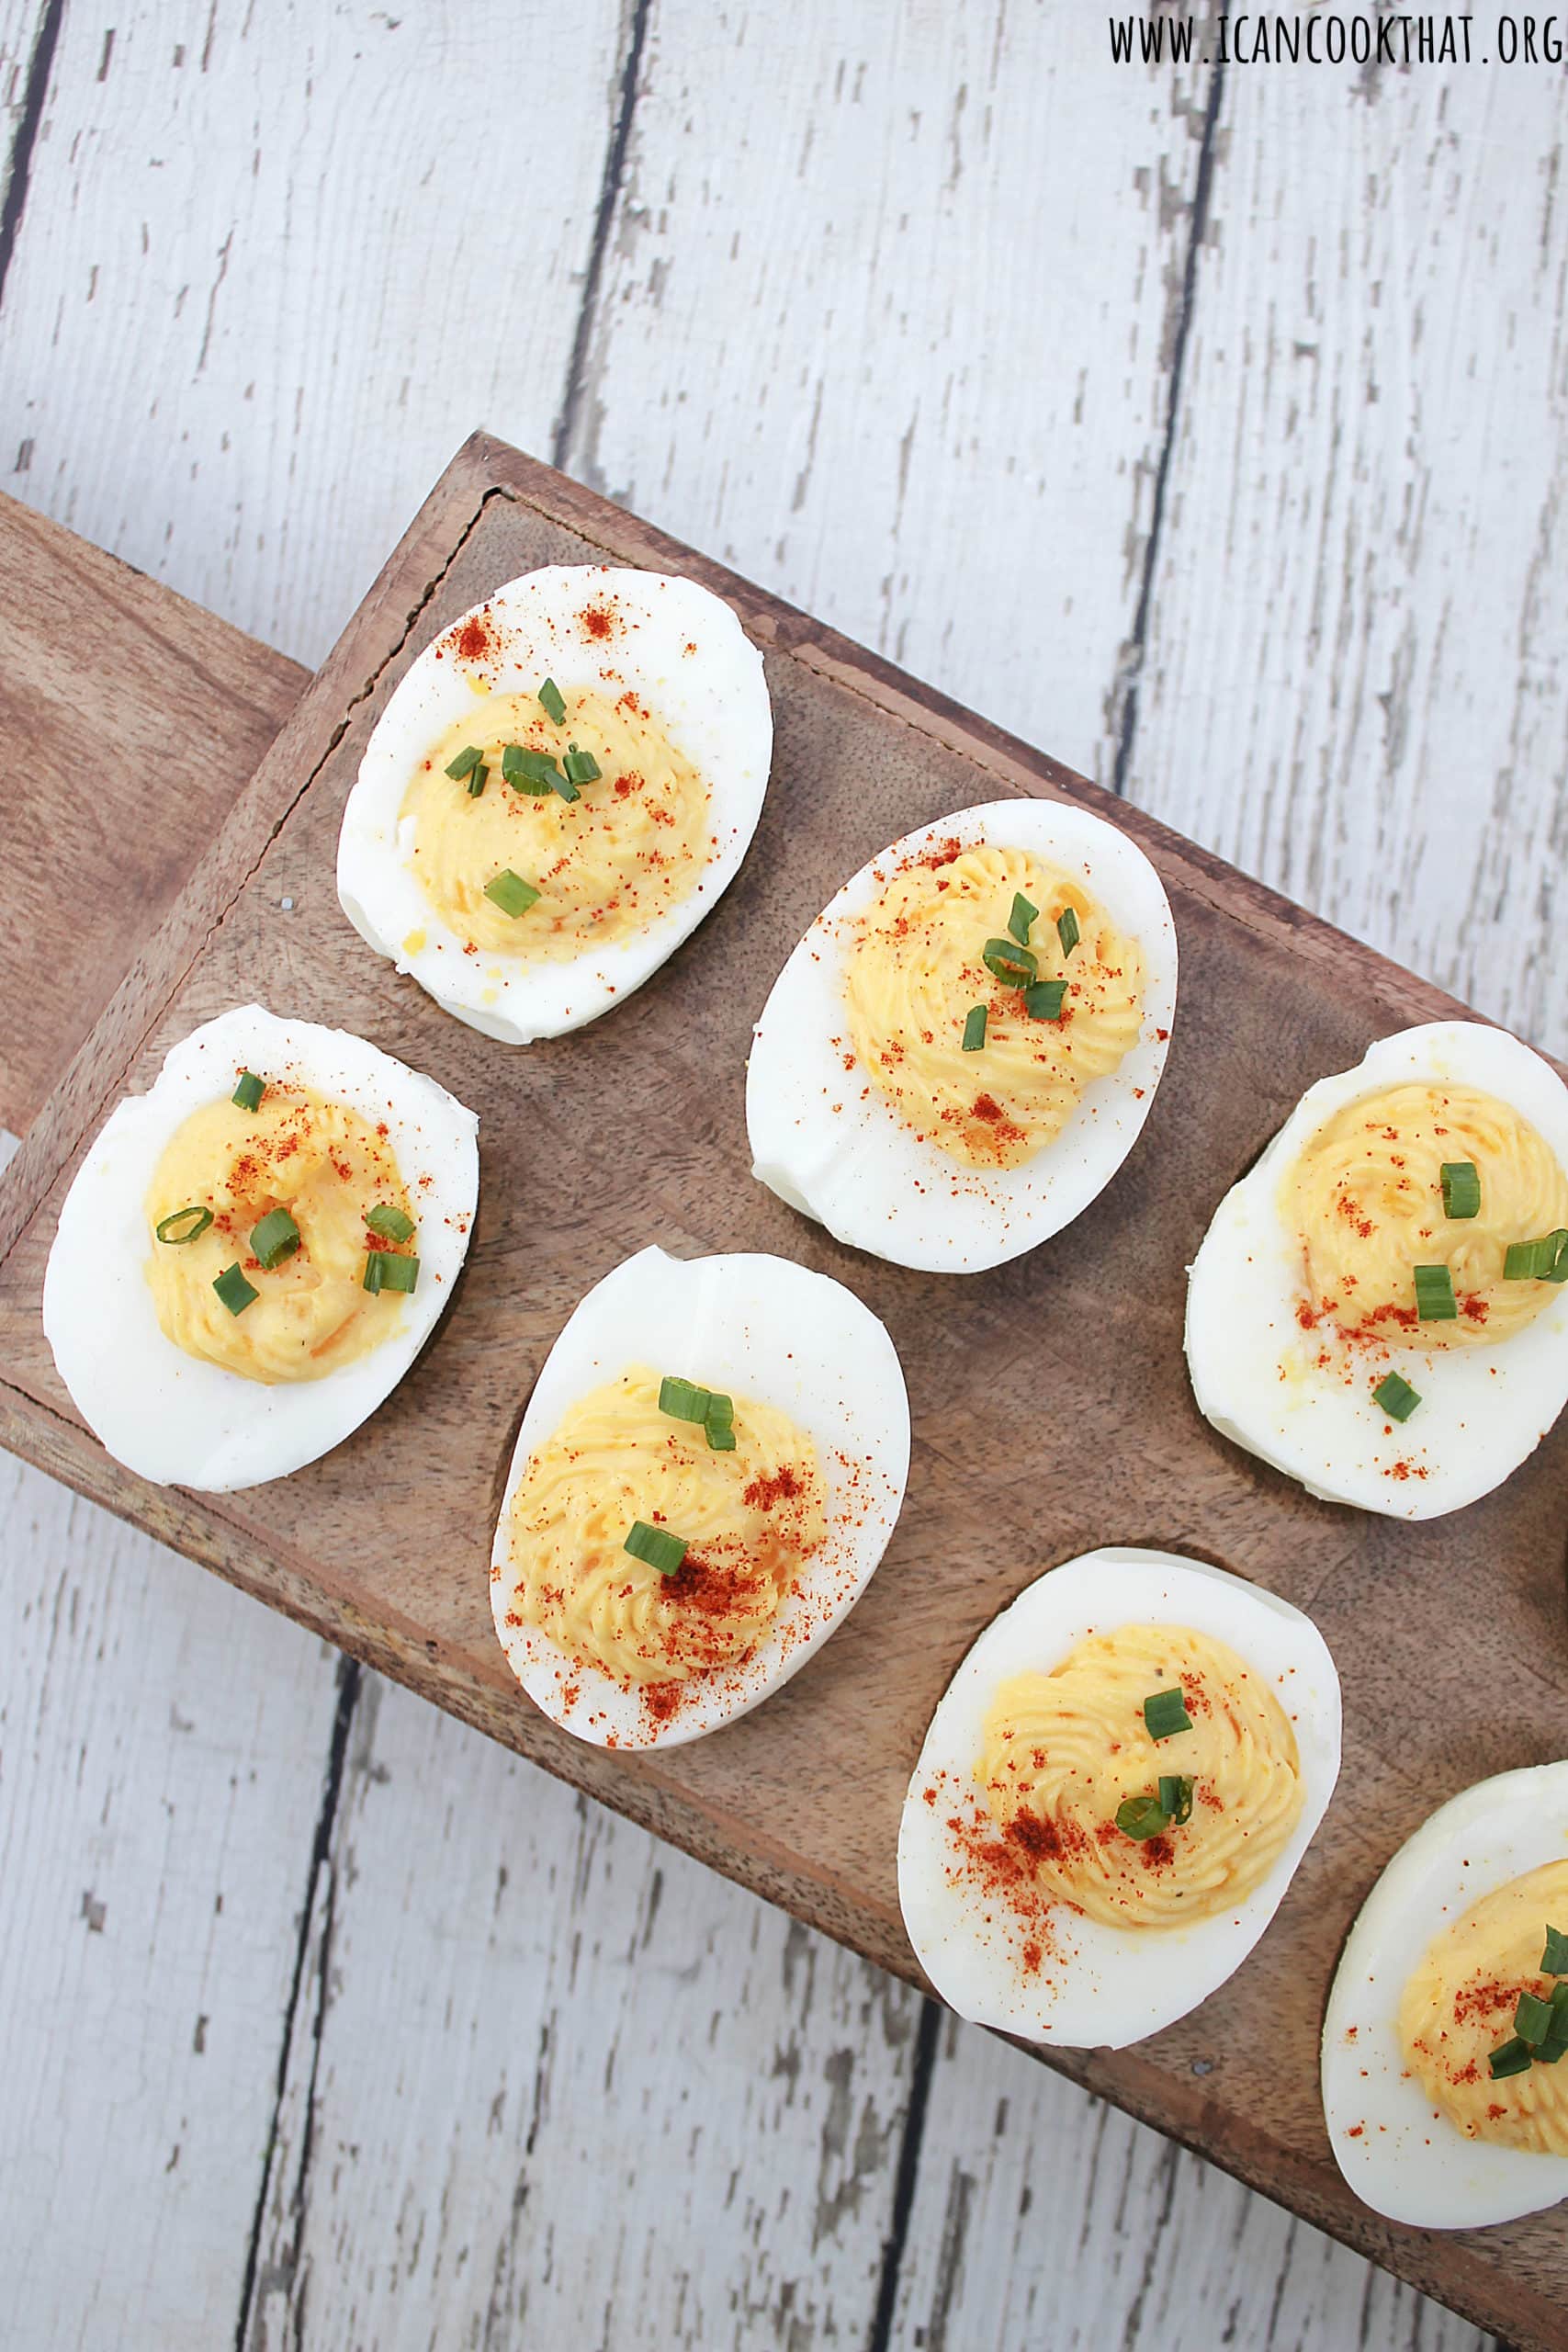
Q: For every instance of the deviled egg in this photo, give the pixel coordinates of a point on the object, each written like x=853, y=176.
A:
x=961, y=1052
x=1114, y=1793
x=1445, y=2088
x=709, y=1469
x=252, y=1253
x=559, y=789
x=1380, y=1307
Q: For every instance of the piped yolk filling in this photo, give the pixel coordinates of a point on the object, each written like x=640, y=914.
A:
x=916, y=970
x=750, y=1520
x=329, y=1167
x=1366, y=1199
x=1063, y=1751
x=629, y=848
x=1459, y=2007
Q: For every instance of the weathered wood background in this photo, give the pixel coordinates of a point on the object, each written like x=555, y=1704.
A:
x=1206, y=428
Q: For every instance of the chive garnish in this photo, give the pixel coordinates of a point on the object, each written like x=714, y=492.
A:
x=1532, y=2018
x=1511, y=2057
x=478, y=781
x=1165, y=1712
x=275, y=1238
x=384, y=1270
x=975, y=1029
x=1142, y=1817
x=1554, y=1959
x=466, y=761
x=1544, y=1259
x=555, y=705
x=1461, y=1181
x=1435, y=1300
x=1397, y=1396
x=720, y=1434
x=656, y=1546
x=534, y=773
x=1023, y=915
x=1043, y=1001
x=248, y=1091
x=683, y=1401
x=1015, y=966
x=581, y=767
x=235, y=1291
x=1067, y=930
x=511, y=893
x=1176, y=1796
x=390, y=1223
x=166, y=1226
x=1554, y=2042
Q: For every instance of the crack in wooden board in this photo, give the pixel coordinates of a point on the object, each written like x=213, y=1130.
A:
x=1271, y=998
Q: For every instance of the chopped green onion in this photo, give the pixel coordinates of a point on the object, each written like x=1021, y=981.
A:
x=1533, y=2018
x=1142, y=1817
x=553, y=702
x=1544, y=1259
x=1067, y=930
x=1042, y=1001
x=478, y=781
x=235, y=1291
x=1023, y=915
x=975, y=1029
x=164, y=1229
x=1435, y=1300
x=390, y=1223
x=534, y=773
x=275, y=1238
x=1176, y=1796
x=581, y=767
x=683, y=1401
x=656, y=1546
x=466, y=761
x=511, y=893
x=1165, y=1712
x=1511, y=2057
x=1554, y=2042
x=1397, y=1396
x=248, y=1091
x=1015, y=966
x=1461, y=1188
x=719, y=1422
x=384, y=1270
x=1554, y=1959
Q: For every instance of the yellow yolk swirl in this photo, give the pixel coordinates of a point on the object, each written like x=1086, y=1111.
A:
x=630, y=847
x=327, y=1167
x=750, y=1520
x=1459, y=2004
x=1366, y=1197
x=915, y=969
x=1061, y=1751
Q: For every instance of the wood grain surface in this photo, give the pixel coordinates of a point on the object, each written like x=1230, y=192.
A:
x=118, y=766
x=802, y=1800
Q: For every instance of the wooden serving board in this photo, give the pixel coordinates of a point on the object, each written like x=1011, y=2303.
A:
x=1050, y=1401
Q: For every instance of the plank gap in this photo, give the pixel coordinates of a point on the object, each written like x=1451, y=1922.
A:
x=604, y=220
x=40, y=65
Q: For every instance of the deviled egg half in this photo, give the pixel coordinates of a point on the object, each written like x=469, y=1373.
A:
x=1445, y=2046
x=252, y=1253
x=1380, y=1307
x=1113, y=1796
x=561, y=788
x=963, y=1050
x=709, y=1469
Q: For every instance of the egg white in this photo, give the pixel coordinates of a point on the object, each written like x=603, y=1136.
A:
x=1405, y=2159
x=1483, y=1409
x=760, y=1327
x=1099, y=1986
x=711, y=703
x=168, y=1415
x=827, y=1141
